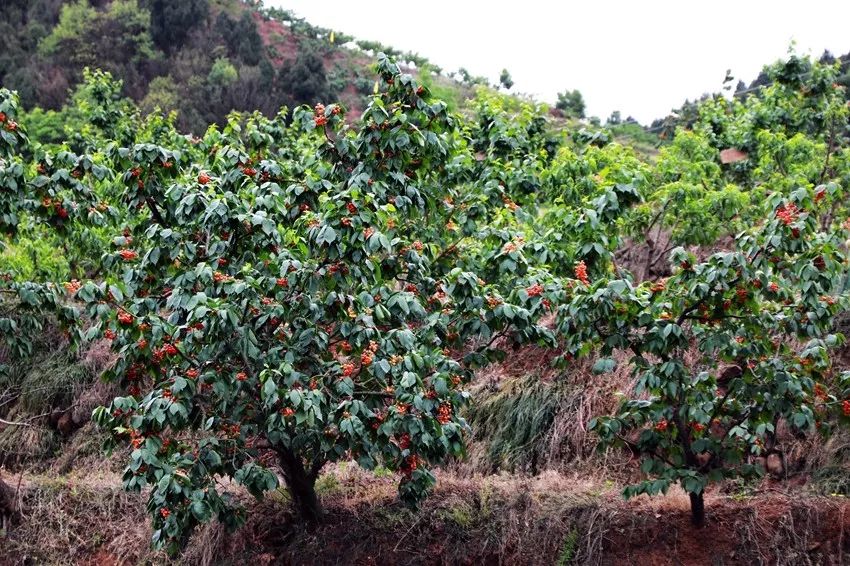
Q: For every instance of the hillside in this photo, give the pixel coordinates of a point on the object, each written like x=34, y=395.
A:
x=432, y=324
x=200, y=58
x=209, y=57
x=548, y=519
x=567, y=511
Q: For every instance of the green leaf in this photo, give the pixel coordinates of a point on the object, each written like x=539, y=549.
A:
x=201, y=511
x=604, y=365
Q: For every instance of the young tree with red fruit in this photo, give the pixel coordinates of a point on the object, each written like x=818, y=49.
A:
x=256, y=313
x=723, y=351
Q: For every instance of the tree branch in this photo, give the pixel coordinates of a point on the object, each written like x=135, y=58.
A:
x=155, y=211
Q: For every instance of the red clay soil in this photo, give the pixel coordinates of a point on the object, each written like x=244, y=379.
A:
x=102, y=557
x=285, y=45
x=280, y=37
x=765, y=530
x=549, y=519
x=775, y=530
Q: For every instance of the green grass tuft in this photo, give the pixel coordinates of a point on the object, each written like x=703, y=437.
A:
x=514, y=422
x=568, y=549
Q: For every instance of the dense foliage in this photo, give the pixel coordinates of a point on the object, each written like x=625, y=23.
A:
x=286, y=292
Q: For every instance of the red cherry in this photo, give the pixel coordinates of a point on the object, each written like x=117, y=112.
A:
x=535, y=290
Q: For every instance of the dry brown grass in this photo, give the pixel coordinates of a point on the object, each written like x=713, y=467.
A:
x=552, y=518
x=492, y=519
x=53, y=393
x=70, y=519
x=528, y=416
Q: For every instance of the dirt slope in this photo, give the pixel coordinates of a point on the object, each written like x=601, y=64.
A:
x=549, y=519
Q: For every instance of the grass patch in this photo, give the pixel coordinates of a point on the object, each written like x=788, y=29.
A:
x=513, y=422
x=47, y=381
x=461, y=514
x=33, y=388
x=382, y=472
x=20, y=444
x=568, y=549
x=832, y=480
x=327, y=484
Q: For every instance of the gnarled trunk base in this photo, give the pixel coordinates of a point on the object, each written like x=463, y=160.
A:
x=8, y=507
x=302, y=486
x=697, y=509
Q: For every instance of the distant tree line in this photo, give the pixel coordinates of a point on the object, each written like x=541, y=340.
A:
x=199, y=58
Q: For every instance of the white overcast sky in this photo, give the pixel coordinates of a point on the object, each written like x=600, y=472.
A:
x=641, y=57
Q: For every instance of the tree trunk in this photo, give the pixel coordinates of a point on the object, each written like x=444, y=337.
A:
x=8, y=507
x=697, y=509
x=650, y=248
x=302, y=486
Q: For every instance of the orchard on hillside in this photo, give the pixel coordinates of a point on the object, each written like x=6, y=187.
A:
x=285, y=293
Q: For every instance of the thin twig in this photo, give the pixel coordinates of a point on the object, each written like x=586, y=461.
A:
x=28, y=422
x=395, y=549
